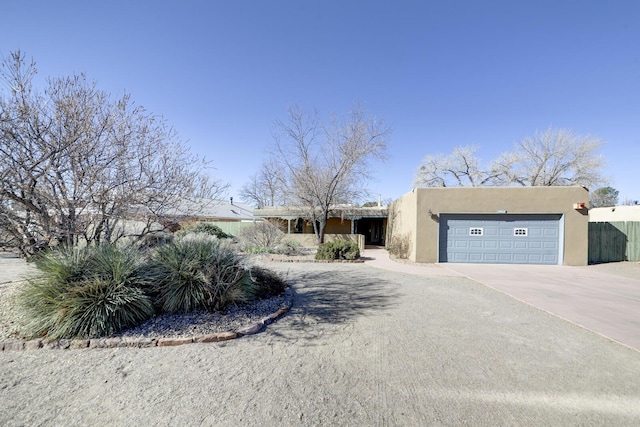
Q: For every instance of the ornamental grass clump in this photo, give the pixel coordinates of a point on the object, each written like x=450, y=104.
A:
x=200, y=272
x=87, y=293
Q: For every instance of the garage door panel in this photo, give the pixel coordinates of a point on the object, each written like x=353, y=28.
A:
x=489, y=257
x=505, y=244
x=520, y=258
x=461, y=244
x=516, y=239
x=462, y=257
x=475, y=257
x=505, y=258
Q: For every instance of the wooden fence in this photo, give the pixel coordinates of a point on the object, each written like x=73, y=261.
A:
x=614, y=241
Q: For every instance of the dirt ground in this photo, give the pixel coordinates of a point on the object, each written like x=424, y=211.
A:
x=361, y=346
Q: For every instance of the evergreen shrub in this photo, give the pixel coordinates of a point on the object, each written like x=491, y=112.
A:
x=338, y=250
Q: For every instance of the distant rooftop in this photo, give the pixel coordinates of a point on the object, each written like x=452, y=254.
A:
x=224, y=210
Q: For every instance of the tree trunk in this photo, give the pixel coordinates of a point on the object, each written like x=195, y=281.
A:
x=318, y=228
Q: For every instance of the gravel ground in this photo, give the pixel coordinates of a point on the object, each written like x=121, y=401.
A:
x=13, y=269
x=361, y=346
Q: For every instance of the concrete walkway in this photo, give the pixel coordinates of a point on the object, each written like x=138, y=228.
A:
x=606, y=304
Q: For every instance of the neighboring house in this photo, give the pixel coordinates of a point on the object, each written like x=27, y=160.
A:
x=517, y=225
x=367, y=226
x=230, y=216
x=213, y=211
x=614, y=234
x=615, y=213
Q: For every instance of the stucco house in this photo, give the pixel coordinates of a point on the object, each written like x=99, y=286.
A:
x=518, y=225
x=366, y=226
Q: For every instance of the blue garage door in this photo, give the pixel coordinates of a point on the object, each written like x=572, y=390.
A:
x=500, y=239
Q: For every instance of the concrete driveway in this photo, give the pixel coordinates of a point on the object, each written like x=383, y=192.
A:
x=607, y=304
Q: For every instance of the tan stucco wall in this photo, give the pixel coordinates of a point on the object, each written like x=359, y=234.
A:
x=337, y=226
x=490, y=200
x=616, y=213
x=334, y=226
x=402, y=225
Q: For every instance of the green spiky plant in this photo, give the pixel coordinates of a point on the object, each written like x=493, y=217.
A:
x=200, y=272
x=86, y=292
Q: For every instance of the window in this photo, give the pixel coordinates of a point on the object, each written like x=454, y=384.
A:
x=520, y=232
x=476, y=231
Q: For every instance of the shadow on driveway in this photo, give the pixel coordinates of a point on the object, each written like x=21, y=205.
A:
x=334, y=297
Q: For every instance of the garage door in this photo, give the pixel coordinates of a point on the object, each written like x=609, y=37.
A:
x=500, y=239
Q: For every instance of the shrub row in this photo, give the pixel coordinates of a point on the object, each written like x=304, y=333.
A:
x=97, y=291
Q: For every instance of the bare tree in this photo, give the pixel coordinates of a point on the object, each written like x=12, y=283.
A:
x=554, y=157
x=76, y=165
x=261, y=234
x=460, y=168
x=327, y=164
x=550, y=158
x=267, y=187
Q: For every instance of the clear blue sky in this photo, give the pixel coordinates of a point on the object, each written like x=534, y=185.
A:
x=440, y=73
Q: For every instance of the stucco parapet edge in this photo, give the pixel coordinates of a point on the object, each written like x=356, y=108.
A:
x=142, y=342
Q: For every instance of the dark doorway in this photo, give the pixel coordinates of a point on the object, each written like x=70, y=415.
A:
x=372, y=229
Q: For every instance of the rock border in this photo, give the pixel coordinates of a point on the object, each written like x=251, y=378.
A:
x=289, y=259
x=132, y=342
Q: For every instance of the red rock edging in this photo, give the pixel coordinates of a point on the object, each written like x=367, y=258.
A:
x=132, y=342
x=320, y=261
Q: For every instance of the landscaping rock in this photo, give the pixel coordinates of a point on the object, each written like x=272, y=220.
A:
x=139, y=342
x=57, y=345
x=217, y=337
x=77, y=344
x=13, y=345
x=33, y=345
x=172, y=342
x=251, y=329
